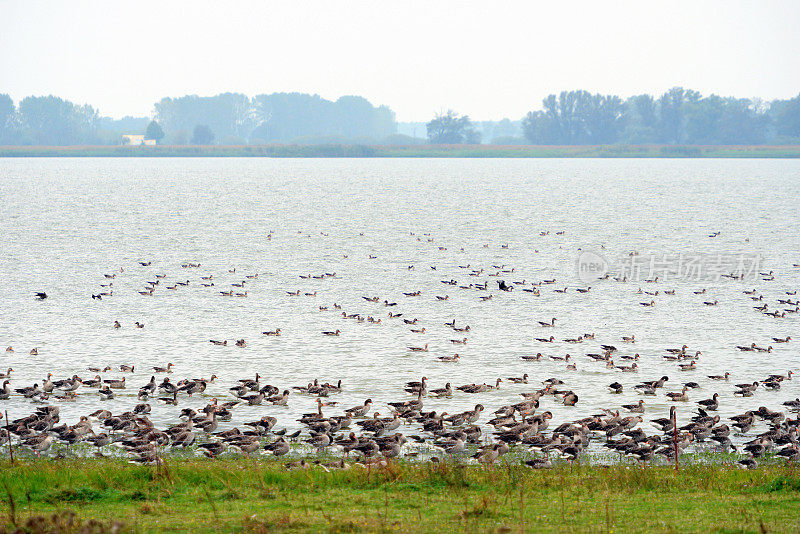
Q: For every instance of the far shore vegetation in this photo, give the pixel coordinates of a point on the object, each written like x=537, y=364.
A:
x=678, y=117
x=411, y=151
x=259, y=495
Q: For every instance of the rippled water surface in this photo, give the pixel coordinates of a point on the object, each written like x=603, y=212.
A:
x=67, y=222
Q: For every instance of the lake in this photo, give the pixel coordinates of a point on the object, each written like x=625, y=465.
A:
x=68, y=222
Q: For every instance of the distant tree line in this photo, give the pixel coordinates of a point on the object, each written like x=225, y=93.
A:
x=679, y=116
x=229, y=118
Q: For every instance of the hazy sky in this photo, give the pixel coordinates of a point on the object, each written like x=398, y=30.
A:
x=483, y=58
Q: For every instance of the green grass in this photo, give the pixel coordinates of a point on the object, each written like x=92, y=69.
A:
x=414, y=151
x=242, y=495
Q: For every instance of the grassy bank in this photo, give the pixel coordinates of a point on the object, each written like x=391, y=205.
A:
x=262, y=496
x=415, y=151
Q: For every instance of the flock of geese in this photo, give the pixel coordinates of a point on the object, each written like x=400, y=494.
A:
x=376, y=431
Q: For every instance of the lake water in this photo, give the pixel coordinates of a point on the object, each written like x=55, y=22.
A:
x=67, y=222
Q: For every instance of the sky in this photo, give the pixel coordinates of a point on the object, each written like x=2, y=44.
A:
x=486, y=59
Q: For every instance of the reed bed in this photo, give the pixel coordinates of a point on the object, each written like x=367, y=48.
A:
x=412, y=151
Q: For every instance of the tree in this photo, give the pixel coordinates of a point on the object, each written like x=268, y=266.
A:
x=672, y=114
x=227, y=114
x=787, y=117
x=451, y=129
x=202, y=135
x=49, y=120
x=299, y=117
x=154, y=132
x=7, y=113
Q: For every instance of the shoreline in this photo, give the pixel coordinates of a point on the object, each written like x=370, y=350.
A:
x=411, y=151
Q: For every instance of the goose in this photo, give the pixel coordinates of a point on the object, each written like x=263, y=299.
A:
x=7, y=374
x=496, y=385
x=459, y=341
x=217, y=342
x=778, y=378
x=126, y=368
x=361, y=410
x=418, y=330
x=241, y=343
x=681, y=350
x=279, y=447
x=105, y=393
x=34, y=351
x=713, y=303
x=720, y=377
x=781, y=340
x=415, y=386
x=528, y=357
x=98, y=370
x=615, y=387
x=628, y=369
x=746, y=389
x=117, y=325
x=544, y=340
x=648, y=304
x=551, y=324
x=275, y=332
x=29, y=392
x=691, y=366
x=519, y=380
x=750, y=348
x=419, y=349
x=280, y=400
x=99, y=440
x=666, y=424
x=264, y=424
x=465, y=329
x=254, y=400
x=629, y=339
x=454, y=445
x=137, y=324
x=678, y=397
x=453, y=358
x=5, y=392
x=635, y=408
x=710, y=404
x=167, y=369
x=39, y=443
x=115, y=384
x=570, y=399
x=333, y=333
x=167, y=386
x=538, y=463
x=748, y=463
x=446, y=391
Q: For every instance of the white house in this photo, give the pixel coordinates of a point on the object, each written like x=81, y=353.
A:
x=136, y=140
